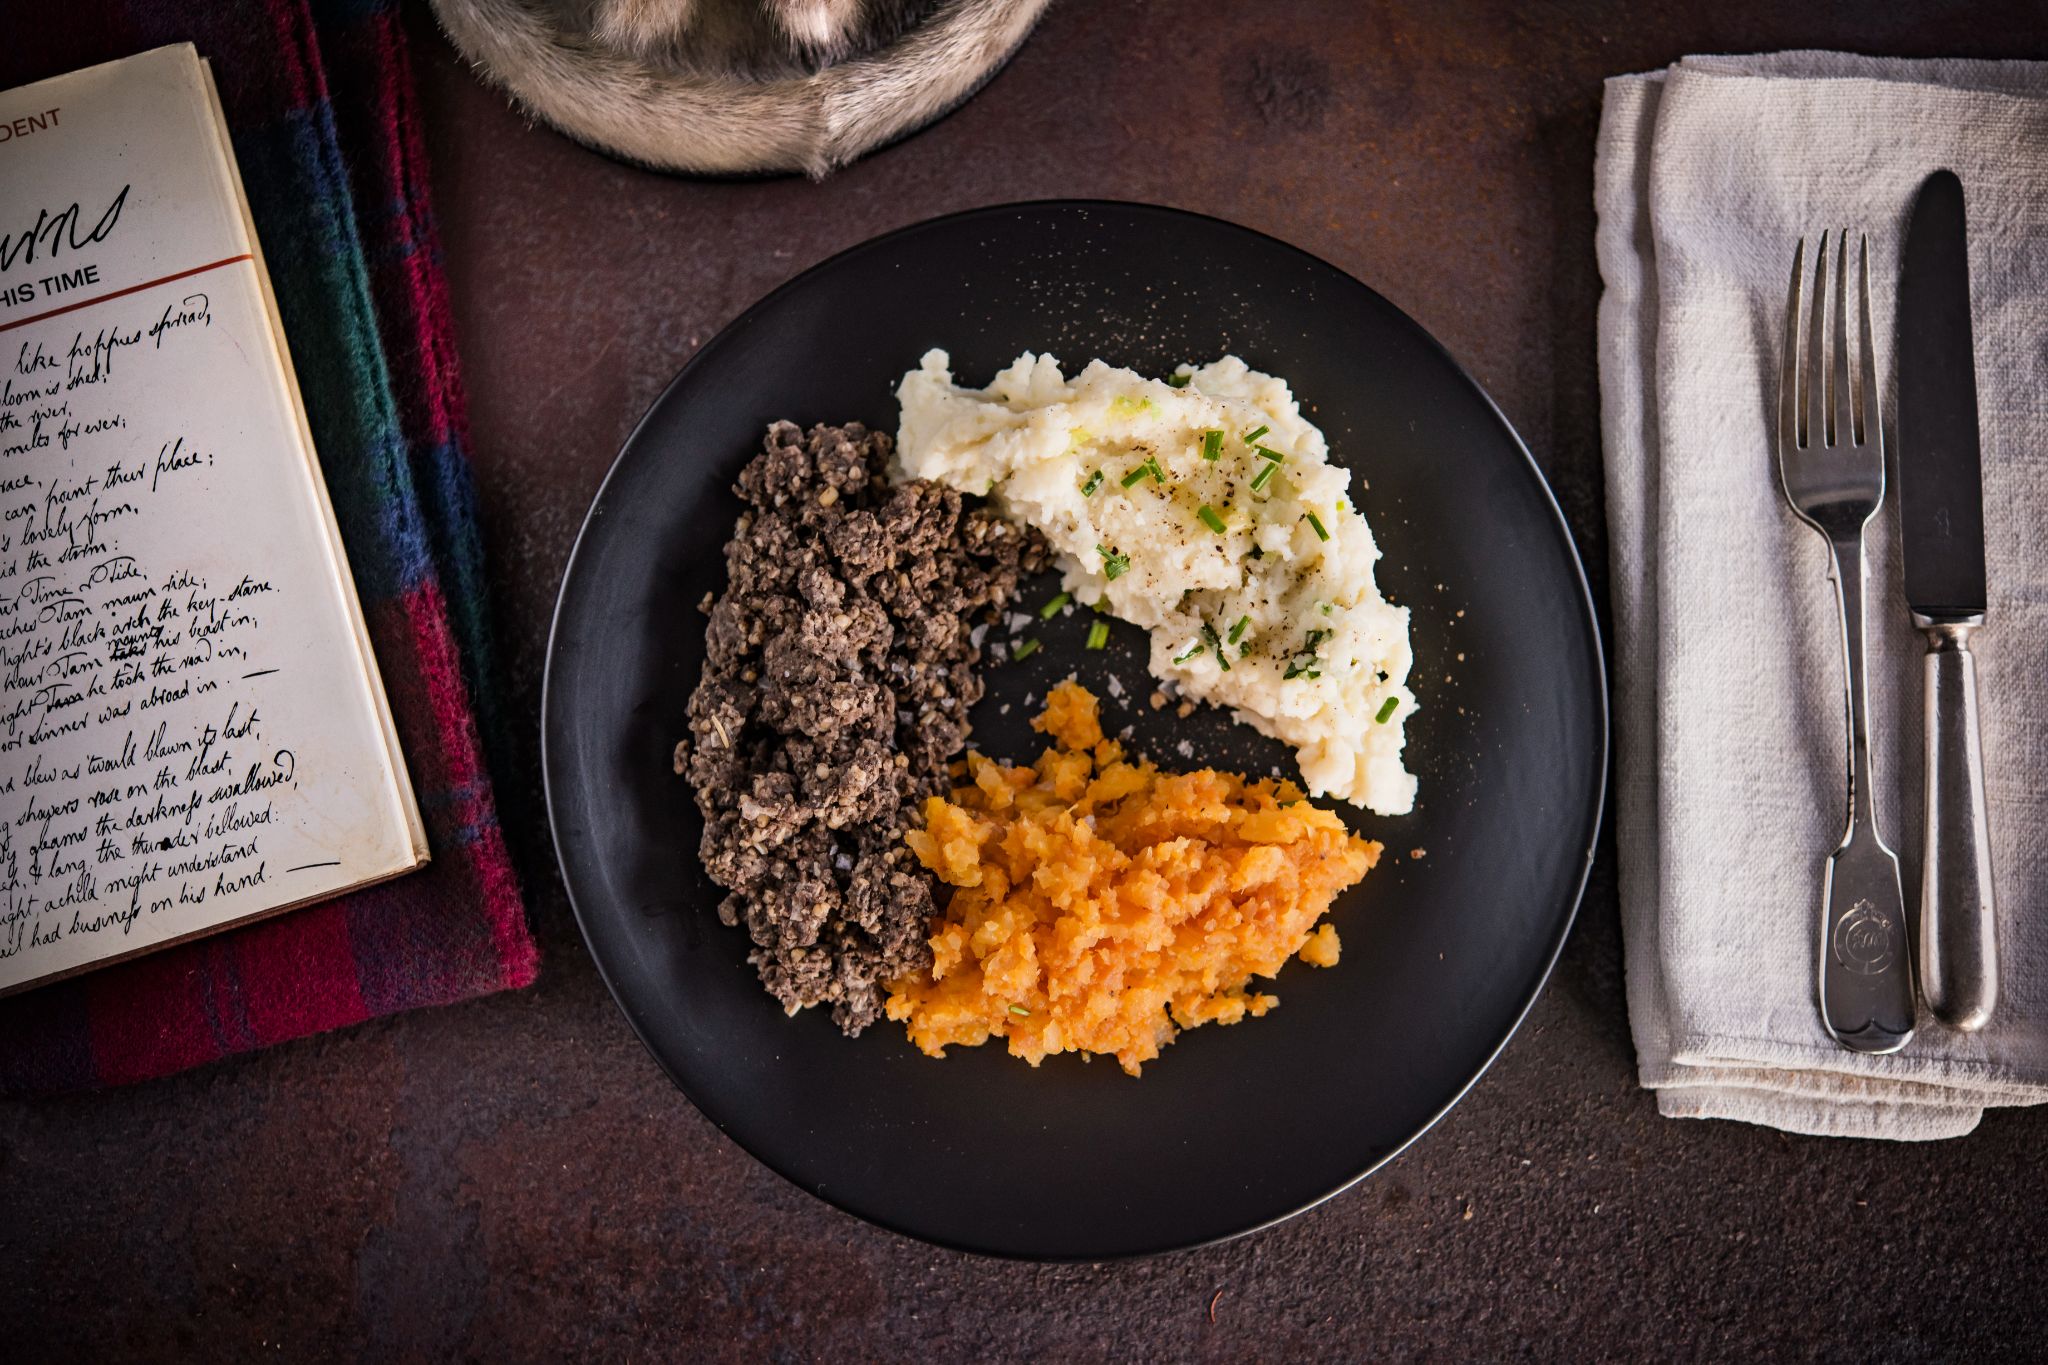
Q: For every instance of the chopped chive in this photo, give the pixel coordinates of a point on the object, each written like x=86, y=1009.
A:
x=1264, y=476
x=1098, y=635
x=1212, y=445
x=1094, y=482
x=1189, y=653
x=1113, y=564
x=1317, y=522
x=1148, y=470
x=1052, y=608
x=1255, y=433
x=1387, y=709
x=1025, y=650
x=1178, y=381
x=1305, y=662
x=1237, y=631
x=1210, y=518
x=1209, y=634
x=1020, y=1011
x=1326, y=608
x=1268, y=453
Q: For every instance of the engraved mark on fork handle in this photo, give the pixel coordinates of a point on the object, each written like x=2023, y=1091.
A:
x=1866, y=940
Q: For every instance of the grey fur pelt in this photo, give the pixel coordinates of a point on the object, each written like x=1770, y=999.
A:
x=728, y=87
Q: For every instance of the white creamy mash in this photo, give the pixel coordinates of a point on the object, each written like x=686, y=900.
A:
x=1210, y=515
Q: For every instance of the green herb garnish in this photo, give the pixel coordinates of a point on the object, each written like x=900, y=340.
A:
x=1305, y=663
x=1178, y=381
x=1237, y=631
x=1255, y=433
x=1189, y=653
x=1098, y=635
x=1210, y=518
x=1209, y=634
x=1264, y=476
x=1113, y=564
x=1020, y=1011
x=1387, y=709
x=1148, y=470
x=1052, y=608
x=1268, y=453
x=1094, y=482
x=1025, y=650
x=1212, y=445
x=1317, y=522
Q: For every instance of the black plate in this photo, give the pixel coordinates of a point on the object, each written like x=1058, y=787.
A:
x=1231, y=1128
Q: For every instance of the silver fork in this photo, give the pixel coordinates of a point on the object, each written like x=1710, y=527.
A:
x=1831, y=462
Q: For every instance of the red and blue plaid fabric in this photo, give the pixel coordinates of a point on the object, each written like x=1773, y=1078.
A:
x=320, y=103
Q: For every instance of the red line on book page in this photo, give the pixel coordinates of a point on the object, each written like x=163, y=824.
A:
x=131, y=289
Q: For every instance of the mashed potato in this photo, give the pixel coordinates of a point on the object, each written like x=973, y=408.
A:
x=1205, y=510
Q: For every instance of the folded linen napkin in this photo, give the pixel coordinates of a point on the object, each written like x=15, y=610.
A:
x=1728, y=679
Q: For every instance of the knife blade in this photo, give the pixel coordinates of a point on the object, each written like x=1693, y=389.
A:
x=1941, y=495
x=1941, y=515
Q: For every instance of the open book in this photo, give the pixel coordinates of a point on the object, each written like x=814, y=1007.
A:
x=193, y=732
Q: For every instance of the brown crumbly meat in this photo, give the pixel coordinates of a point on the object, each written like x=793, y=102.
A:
x=838, y=675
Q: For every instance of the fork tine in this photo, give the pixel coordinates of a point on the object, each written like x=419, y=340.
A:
x=1788, y=366
x=1870, y=424
x=1839, y=431
x=1813, y=427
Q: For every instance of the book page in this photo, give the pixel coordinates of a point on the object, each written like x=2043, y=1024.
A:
x=191, y=730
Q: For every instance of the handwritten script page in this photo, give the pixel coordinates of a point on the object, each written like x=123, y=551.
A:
x=192, y=730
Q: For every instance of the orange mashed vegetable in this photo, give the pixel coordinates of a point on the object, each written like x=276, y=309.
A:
x=1100, y=905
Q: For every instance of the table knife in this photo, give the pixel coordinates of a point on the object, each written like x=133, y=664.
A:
x=1941, y=503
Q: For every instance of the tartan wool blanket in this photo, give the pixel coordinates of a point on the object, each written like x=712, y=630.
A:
x=319, y=101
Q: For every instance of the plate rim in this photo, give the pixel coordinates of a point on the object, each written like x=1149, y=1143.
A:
x=1603, y=714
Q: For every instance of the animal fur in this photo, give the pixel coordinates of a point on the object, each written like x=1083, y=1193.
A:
x=725, y=87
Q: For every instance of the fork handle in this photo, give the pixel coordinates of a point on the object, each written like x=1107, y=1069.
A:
x=1866, y=958
x=1958, y=929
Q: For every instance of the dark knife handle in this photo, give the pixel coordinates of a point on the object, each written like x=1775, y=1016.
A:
x=1958, y=930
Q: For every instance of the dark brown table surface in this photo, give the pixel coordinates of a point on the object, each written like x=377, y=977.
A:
x=514, y=1178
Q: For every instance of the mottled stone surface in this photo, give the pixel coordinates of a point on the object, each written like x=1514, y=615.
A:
x=514, y=1179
